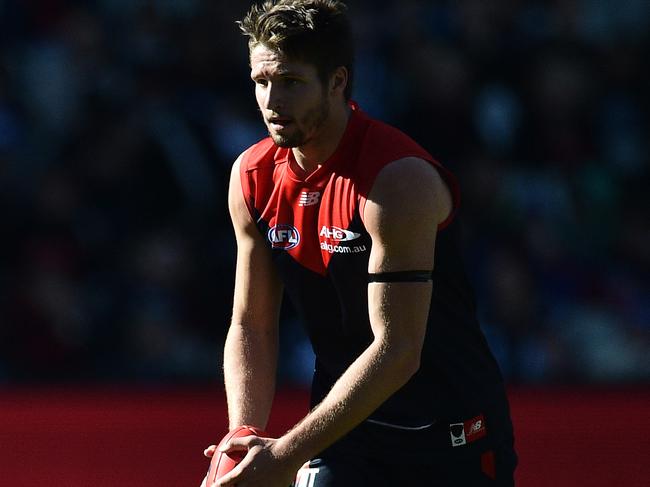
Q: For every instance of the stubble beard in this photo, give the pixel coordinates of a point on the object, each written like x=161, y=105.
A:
x=311, y=123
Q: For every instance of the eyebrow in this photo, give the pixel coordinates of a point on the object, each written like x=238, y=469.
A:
x=281, y=72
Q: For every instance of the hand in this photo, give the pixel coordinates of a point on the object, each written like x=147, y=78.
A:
x=208, y=452
x=261, y=467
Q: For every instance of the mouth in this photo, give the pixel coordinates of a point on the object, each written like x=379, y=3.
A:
x=279, y=122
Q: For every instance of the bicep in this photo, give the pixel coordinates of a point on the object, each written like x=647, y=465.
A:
x=258, y=290
x=407, y=202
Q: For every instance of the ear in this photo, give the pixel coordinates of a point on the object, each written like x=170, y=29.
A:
x=339, y=81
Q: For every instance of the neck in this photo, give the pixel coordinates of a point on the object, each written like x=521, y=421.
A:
x=315, y=152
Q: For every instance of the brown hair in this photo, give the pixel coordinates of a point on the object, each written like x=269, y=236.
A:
x=312, y=31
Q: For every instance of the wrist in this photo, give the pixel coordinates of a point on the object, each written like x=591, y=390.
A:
x=286, y=451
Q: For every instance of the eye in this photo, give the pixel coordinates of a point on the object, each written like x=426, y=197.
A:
x=261, y=82
x=292, y=82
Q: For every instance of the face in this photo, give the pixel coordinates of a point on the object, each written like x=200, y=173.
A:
x=292, y=98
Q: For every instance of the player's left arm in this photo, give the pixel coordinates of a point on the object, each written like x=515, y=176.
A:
x=404, y=208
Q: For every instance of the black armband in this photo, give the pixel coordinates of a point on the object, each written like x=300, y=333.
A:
x=401, y=276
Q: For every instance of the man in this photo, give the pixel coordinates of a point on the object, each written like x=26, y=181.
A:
x=345, y=214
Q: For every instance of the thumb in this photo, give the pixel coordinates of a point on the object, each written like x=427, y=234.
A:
x=209, y=451
x=241, y=443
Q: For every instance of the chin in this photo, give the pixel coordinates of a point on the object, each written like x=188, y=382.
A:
x=282, y=142
x=286, y=142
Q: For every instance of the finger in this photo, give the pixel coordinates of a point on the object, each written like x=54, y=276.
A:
x=241, y=443
x=205, y=481
x=232, y=478
x=209, y=451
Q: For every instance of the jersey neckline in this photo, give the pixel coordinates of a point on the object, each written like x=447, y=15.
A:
x=352, y=131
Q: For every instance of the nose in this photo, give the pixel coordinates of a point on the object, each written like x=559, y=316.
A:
x=273, y=98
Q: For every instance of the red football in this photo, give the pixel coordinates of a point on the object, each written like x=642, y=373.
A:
x=222, y=463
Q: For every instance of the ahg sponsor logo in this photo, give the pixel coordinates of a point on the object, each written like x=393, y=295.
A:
x=336, y=233
x=283, y=237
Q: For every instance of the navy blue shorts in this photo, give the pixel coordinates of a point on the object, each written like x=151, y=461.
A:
x=458, y=454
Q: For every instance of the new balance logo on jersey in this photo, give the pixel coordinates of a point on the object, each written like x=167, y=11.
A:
x=309, y=198
x=336, y=233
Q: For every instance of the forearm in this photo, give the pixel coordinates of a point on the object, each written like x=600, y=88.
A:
x=250, y=358
x=384, y=367
x=371, y=379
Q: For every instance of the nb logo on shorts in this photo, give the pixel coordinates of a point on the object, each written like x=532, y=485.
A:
x=309, y=198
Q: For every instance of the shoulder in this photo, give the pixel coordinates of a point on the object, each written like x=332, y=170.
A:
x=384, y=145
x=392, y=164
x=376, y=137
x=241, y=211
x=410, y=187
x=385, y=137
x=404, y=209
x=407, y=172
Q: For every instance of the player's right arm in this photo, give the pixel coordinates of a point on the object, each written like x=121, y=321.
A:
x=251, y=349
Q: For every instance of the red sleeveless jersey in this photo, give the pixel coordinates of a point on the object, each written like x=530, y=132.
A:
x=320, y=247
x=308, y=217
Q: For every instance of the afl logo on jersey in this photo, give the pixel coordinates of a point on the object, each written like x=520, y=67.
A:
x=284, y=237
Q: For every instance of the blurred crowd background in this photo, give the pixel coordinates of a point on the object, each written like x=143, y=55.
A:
x=119, y=120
